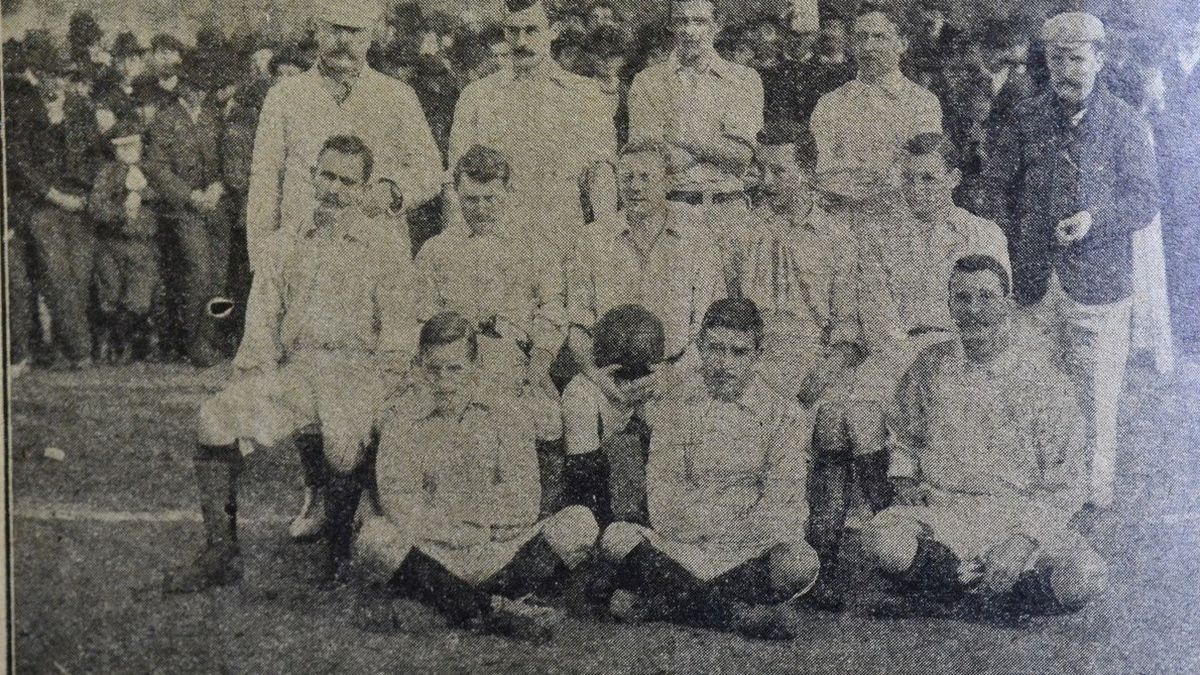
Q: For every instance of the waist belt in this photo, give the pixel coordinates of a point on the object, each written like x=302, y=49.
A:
x=697, y=198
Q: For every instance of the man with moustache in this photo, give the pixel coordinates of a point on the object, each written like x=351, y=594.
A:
x=331, y=330
x=339, y=95
x=1073, y=177
x=554, y=127
x=989, y=466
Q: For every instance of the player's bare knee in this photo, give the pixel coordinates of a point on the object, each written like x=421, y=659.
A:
x=865, y=427
x=794, y=568
x=890, y=543
x=619, y=540
x=211, y=424
x=829, y=431
x=381, y=548
x=343, y=455
x=572, y=533
x=1078, y=577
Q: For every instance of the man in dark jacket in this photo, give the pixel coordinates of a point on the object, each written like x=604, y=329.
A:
x=49, y=177
x=1074, y=176
x=184, y=166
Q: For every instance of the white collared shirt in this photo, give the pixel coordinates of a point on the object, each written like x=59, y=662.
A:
x=300, y=113
x=715, y=97
x=862, y=126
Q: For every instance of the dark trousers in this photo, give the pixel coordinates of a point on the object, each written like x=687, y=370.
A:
x=612, y=480
x=20, y=298
x=238, y=274
x=204, y=242
x=65, y=247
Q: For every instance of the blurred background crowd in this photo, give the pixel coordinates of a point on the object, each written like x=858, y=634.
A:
x=71, y=96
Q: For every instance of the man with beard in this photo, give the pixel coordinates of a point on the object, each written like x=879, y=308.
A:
x=332, y=328
x=554, y=127
x=339, y=95
x=989, y=465
x=1073, y=176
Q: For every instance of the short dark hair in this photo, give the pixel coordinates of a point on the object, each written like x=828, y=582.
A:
x=979, y=262
x=351, y=145
x=934, y=143
x=447, y=328
x=482, y=165
x=788, y=133
x=628, y=335
x=672, y=3
x=735, y=314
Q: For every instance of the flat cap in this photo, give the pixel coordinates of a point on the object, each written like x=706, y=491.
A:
x=359, y=14
x=1072, y=28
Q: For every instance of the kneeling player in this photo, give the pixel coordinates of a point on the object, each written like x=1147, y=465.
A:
x=458, y=485
x=989, y=467
x=329, y=319
x=725, y=486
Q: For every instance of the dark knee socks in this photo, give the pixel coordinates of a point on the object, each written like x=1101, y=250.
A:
x=426, y=580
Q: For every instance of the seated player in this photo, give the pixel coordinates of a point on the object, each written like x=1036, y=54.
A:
x=607, y=439
x=330, y=323
x=795, y=264
x=725, y=485
x=902, y=269
x=489, y=277
x=458, y=486
x=989, y=463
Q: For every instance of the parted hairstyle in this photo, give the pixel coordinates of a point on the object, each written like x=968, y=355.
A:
x=934, y=142
x=735, y=314
x=482, y=165
x=447, y=328
x=979, y=262
x=351, y=145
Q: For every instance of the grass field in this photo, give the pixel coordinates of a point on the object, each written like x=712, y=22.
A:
x=92, y=532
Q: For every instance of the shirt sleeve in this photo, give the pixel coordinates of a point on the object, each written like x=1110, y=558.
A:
x=267, y=166
x=907, y=422
x=516, y=492
x=1060, y=445
x=783, y=509
x=463, y=130
x=824, y=132
x=262, y=341
x=398, y=308
x=646, y=121
x=744, y=119
x=417, y=164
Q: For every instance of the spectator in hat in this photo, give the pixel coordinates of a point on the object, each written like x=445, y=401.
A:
x=1073, y=177
x=932, y=44
x=47, y=191
x=166, y=52
x=340, y=94
x=183, y=164
x=128, y=60
x=123, y=205
x=148, y=98
x=84, y=38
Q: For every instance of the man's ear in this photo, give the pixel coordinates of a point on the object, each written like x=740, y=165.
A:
x=956, y=176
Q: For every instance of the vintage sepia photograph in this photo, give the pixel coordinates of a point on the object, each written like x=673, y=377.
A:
x=601, y=336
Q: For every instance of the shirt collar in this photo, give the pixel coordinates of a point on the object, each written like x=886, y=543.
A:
x=666, y=228
x=710, y=62
x=892, y=84
x=351, y=226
